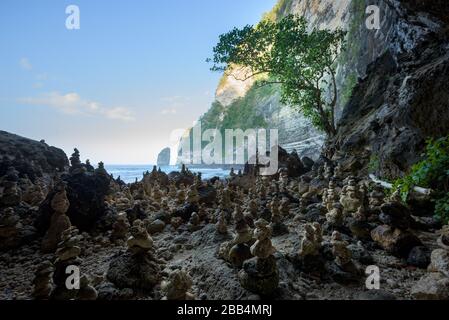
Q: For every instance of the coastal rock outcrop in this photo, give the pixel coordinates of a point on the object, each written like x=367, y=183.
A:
x=163, y=158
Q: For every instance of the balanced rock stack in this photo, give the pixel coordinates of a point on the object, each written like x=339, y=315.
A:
x=344, y=269
x=278, y=227
x=260, y=274
x=43, y=284
x=330, y=196
x=350, y=197
x=120, y=228
x=435, y=284
x=394, y=235
x=221, y=226
x=240, y=250
x=177, y=287
x=67, y=255
x=59, y=220
x=192, y=196
x=137, y=268
x=309, y=257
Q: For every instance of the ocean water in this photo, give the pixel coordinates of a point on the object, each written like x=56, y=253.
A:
x=129, y=173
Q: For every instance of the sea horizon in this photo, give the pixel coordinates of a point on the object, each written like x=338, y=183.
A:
x=129, y=172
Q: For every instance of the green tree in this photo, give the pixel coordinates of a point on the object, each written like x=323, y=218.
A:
x=284, y=52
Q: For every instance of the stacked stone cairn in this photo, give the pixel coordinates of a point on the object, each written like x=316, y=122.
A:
x=260, y=274
x=178, y=286
x=240, y=250
x=138, y=267
x=67, y=256
x=59, y=221
x=43, y=281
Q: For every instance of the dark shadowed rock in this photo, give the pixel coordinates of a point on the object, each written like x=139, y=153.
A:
x=395, y=241
x=32, y=158
x=419, y=257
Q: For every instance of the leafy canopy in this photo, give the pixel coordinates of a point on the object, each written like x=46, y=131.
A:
x=286, y=53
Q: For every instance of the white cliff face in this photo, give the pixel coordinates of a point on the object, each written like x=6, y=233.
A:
x=323, y=14
x=233, y=86
x=295, y=132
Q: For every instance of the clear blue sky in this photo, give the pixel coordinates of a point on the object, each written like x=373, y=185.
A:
x=117, y=87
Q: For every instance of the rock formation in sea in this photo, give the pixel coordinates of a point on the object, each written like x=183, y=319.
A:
x=163, y=158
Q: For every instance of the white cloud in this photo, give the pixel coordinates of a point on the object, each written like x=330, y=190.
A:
x=169, y=111
x=25, y=64
x=73, y=104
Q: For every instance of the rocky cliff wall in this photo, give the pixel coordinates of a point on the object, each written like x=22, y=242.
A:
x=404, y=97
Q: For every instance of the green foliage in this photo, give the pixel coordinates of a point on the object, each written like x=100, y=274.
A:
x=373, y=164
x=348, y=87
x=241, y=113
x=298, y=60
x=431, y=172
x=442, y=208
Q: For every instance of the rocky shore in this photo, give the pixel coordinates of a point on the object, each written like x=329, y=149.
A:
x=309, y=232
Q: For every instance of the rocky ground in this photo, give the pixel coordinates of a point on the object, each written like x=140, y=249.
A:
x=309, y=232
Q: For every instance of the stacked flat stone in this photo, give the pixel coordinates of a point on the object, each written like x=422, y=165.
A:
x=120, y=228
x=330, y=196
x=260, y=274
x=311, y=241
x=350, y=198
x=342, y=254
x=253, y=208
x=178, y=286
x=67, y=255
x=240, y=250
x=59, y=221
x=222, y=225
x=180, y=194
x=157, y=195
x=172, y=190
x=338, y=172
x=192, y=196
x=139, y=241
x=138, y=267
x=278, y=227
x=335, y=216
x=225, y=200
x=42, y=282
x=284, y=207
x=283, y=181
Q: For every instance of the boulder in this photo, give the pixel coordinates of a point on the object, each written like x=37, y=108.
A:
x=419, y=257
x=432, y=286
x=395, y=241
x=439, y=261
